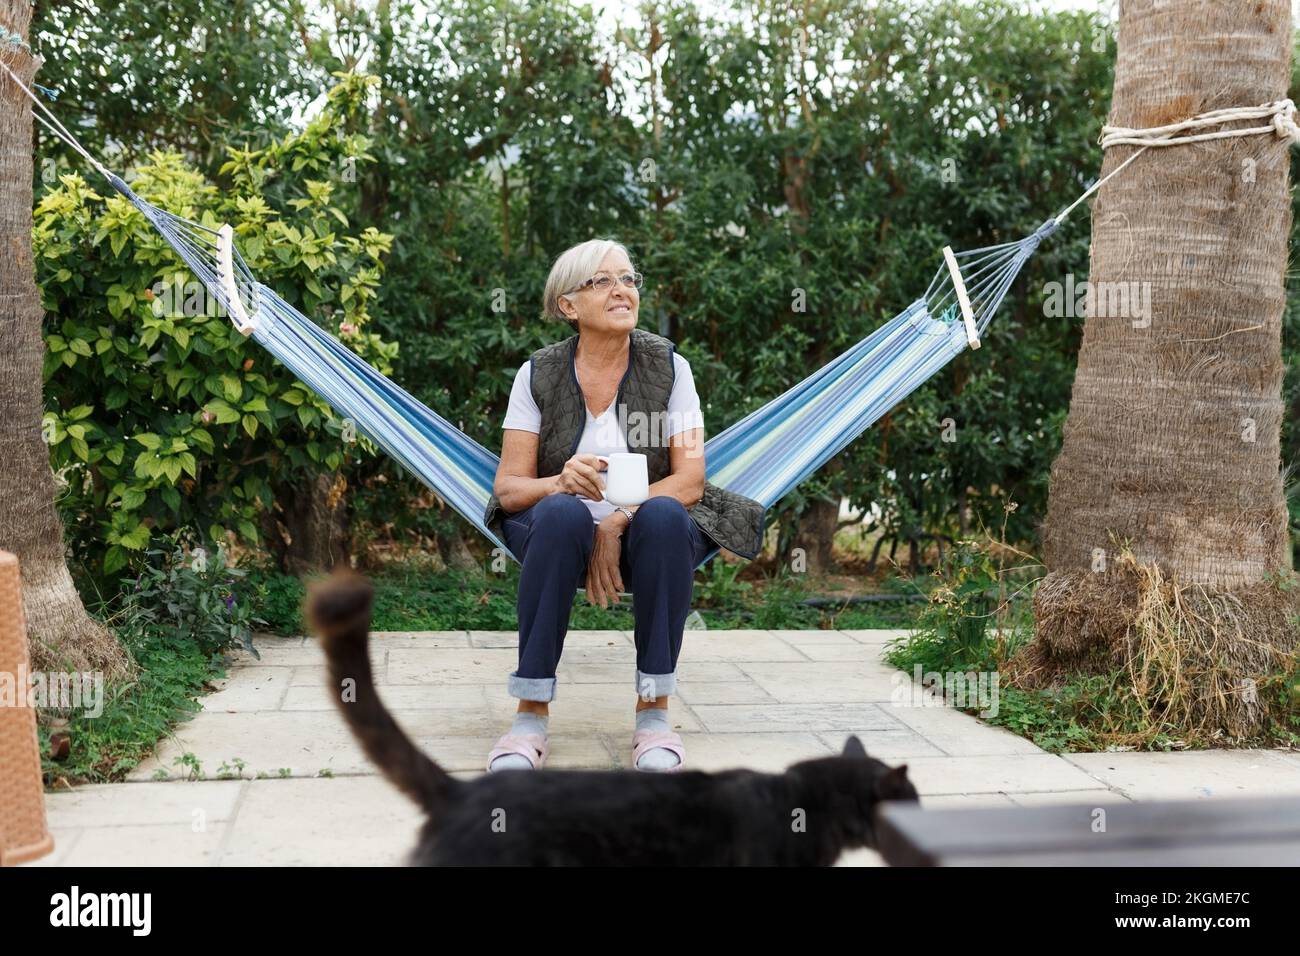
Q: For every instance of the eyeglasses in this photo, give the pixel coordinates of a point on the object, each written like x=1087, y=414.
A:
x=603, y=282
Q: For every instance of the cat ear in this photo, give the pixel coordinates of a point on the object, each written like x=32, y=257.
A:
x=853, y=748
x=893, y=781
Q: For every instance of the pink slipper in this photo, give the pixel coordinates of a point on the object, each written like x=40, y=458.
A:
x=532, y=747
x=644, y=740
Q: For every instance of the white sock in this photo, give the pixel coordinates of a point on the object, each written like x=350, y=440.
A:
x=526, y=722
x=656, y=758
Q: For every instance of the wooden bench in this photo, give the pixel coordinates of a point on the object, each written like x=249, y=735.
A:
x=1237, y=832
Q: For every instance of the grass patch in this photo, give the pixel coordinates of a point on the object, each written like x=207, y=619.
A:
x=176, y=618
x=411, y=595
x=135, y=716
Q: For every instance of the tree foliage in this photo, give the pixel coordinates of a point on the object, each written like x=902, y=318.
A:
x=160, y=414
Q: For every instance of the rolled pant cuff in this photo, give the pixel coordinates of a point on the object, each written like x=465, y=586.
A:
x=540, y=689
x=654, y=686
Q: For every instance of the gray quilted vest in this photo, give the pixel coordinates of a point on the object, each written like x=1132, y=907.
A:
x=733, y=521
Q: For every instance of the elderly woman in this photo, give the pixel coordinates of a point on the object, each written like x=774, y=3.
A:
x=609, y=388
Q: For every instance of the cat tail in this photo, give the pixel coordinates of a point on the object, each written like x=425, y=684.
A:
x=338, y=609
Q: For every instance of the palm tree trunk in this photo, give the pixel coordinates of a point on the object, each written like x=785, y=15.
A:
x=62, y=634
x=1166, y=529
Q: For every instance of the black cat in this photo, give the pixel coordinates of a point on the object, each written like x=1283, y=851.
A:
x=807, y=815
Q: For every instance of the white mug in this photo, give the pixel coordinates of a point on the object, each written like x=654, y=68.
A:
x=626, y=479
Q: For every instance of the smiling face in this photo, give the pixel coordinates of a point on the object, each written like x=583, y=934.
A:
x=613, y=310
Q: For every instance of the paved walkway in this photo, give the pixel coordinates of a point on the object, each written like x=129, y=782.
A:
x=760, y=699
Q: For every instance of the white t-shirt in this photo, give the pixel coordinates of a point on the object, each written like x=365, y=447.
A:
x=603, y=436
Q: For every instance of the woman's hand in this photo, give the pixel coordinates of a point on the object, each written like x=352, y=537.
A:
x=581, y=476
x=604, y=580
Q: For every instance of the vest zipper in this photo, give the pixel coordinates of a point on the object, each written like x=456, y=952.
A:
x=582, y=400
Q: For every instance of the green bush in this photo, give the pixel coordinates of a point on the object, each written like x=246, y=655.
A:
x=188, y=597
x=160, y=415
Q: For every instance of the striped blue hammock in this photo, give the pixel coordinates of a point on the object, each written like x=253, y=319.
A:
x=763, y=456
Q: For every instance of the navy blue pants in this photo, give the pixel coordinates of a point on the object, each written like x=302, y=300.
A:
x=554, y=540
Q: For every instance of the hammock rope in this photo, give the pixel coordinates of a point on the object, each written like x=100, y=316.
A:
x=763, y=456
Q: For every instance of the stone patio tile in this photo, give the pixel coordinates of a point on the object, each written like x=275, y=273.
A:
x=793, y=718
x=345, y=821
x=876, y=636
x=1010, y=773
x=700, y=646
x=164, y=844
x=390, y=640
x=966, y=801
x=280, y=655
x=1068, y=797
x=801, y=638
x=478, y=665
x=848, y=651
x=1192, y=774
x=723, y=692
x=957, y=733
x=605, y=653
x=825, y=681
x=1291, y=757
x=394, y=696
x=250, y=688
x=306, y=742
x=572, y=639
x=318, y=676
x=891, y=746
x=267, y=639
x=134, y=804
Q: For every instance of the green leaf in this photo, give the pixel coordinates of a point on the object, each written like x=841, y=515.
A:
x=224, y=413
x=149, y=440
x=250, y=425
x=136, y=539
x=114, y=560
x=132, y=498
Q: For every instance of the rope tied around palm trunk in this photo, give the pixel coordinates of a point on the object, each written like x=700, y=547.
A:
x=1280, y=114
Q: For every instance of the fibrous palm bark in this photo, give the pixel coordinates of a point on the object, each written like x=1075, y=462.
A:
x=1166, y=533
x=63, y=636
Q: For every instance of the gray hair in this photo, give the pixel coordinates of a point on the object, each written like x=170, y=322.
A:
x=576, y=264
